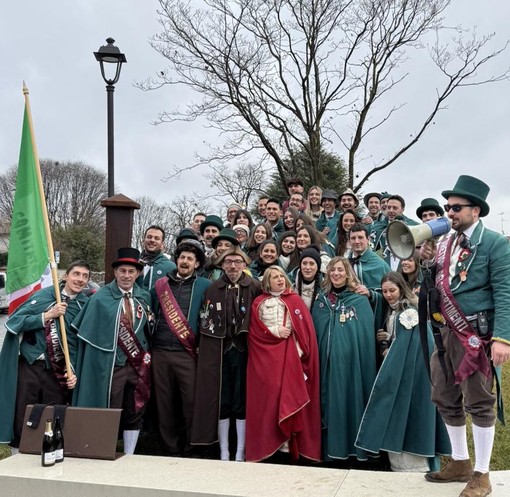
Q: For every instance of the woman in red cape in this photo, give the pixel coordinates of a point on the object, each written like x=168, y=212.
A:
x=283, y=402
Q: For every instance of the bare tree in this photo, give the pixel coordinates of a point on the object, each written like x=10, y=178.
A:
x=281, y=75
x=73, y=193
x=172, y=217
x=241, y=184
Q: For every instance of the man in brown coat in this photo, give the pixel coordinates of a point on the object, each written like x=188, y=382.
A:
x=222, y=357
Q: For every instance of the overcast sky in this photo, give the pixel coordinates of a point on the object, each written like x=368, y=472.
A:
x=49, y=45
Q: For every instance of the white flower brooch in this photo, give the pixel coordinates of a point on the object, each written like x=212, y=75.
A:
x=408, y=318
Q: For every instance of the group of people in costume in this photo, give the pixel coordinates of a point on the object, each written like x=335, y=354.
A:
x=301, y=335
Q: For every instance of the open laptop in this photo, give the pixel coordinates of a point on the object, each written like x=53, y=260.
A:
x=88, y=433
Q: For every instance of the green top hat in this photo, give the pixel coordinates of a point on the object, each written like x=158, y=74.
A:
x=211, y=220
x=225, y=234
x=473, y=189
x=429, y=204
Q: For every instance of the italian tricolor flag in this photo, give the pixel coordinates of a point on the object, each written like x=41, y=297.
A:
x=28, y=268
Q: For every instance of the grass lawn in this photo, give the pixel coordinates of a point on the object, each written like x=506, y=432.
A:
x=500, y=455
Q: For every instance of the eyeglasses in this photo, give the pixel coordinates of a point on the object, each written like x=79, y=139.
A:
x=235, y=263
x=457, y=207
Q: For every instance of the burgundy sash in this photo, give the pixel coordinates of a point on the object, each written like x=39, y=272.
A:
x=475, y=357
x=138, y=358
x=174, y=317
x=55, y=352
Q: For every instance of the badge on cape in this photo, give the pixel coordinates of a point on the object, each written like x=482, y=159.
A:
x=409, y=318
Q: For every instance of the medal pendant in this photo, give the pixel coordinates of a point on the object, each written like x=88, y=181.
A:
x=463, y=276
x=342, y=318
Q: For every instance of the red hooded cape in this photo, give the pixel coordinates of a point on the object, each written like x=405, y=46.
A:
x=280, y=403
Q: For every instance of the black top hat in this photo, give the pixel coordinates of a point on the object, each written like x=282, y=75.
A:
x=368, y=196
x=473, y=189
x=429, y=204
x=128, y=256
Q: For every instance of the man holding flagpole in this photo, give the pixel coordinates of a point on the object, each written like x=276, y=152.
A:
x=32, y=365
x=31, y=259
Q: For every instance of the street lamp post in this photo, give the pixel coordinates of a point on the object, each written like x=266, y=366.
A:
x=110, y=54
x=119, y=208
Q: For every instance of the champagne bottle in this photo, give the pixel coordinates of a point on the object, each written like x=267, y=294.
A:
x=59, y=441
x=48, y=446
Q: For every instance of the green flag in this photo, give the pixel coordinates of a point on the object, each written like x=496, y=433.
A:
x=28, y=262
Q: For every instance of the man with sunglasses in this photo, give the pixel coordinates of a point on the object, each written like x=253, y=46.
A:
x=473, y=282
x=223, y=355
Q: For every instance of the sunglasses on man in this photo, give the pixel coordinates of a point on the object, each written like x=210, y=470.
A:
x=457, y=207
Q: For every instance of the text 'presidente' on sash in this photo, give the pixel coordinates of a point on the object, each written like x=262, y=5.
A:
x=174, y=317
x=475, y=357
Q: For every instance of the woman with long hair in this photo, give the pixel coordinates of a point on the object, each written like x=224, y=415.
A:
x=288, y=255
x=410, y=270
x=314, y=208
x=267, y=256
x=282, y=384
x=346, y=221
x=400, y=417
x=242, y=216
x=290, y=217
x=308, y=235
x=302, y=220
x=344, y=323
x=259, y=233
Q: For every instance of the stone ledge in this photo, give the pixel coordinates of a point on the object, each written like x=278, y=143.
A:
x=22, y=475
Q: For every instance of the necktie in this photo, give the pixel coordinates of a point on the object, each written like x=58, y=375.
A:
x=128, y=308
x=459, y=241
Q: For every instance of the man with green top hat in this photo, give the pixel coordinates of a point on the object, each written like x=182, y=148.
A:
x=473, y=281
x=113, y=361
x=429, y=209
x=210, y=229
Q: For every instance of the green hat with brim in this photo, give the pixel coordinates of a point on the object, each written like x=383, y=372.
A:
x=472, y=189
x=211, y=220
x=225, y=234
x=429, y=204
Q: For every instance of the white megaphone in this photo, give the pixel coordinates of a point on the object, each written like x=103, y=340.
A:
x=403, y=239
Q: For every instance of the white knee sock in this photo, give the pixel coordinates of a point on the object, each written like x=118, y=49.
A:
x=458, y=440
x=130, y=439
x=483, y=439
x=241, y=432
x=223, y=428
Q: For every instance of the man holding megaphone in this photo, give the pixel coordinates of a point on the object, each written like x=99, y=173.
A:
x=473, y=281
